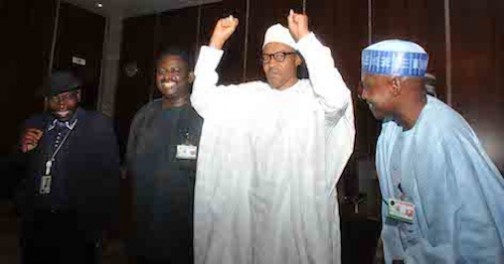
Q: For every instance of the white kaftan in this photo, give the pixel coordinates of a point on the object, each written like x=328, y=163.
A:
x=268, y=164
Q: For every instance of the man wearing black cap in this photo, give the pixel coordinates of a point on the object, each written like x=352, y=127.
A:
x=72, y=184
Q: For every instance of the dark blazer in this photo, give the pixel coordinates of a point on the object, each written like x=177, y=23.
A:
x=91, y=167
x=163, y=186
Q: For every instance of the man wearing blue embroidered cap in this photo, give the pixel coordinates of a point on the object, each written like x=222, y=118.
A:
x=442, y=193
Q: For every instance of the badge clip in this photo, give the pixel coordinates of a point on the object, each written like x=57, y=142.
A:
x=401, y=210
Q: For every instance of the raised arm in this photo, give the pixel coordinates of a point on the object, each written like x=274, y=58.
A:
x=327, y=83
x=205, y=91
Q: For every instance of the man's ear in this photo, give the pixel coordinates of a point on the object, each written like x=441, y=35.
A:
x=396, y=84
x=191, y=77
x=298, y=60
x=78, y=94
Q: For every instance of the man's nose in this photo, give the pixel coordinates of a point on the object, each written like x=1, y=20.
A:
x=272, y=62
x=165, y=77
x=61, y=104
x=170, y=76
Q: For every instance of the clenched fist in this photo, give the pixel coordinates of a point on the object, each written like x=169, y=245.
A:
x=298, y=25
x=222, y=31
x=30, y=139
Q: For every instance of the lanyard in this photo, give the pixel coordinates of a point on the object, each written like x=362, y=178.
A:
x=49, y=163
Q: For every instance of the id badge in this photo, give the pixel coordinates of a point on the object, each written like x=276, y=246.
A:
x=45, y=184
x=401, y=210
x=187, y=152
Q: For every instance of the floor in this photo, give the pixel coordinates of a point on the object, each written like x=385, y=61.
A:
x=9, y=252
x=8, y=234
x=358, y=237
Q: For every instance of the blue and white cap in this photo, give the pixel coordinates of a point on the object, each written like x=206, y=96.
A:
x=395, y=57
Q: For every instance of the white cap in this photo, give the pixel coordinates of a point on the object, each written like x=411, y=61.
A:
x=280, y=34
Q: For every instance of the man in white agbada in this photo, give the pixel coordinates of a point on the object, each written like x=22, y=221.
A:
x=443, y=196
x=271, y=153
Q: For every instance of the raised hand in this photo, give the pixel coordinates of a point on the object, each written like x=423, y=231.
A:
x=30, y=139
x=298, y=25
x=222, y=31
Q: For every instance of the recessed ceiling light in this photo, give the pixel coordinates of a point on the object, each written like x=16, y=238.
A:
x=99, y=5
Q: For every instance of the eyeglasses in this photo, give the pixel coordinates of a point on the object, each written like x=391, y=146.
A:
x=278, y=56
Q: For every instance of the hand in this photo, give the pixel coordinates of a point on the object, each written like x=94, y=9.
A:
x=30, y=139
x=298, y=25
x=222, y=31
x=379, y=255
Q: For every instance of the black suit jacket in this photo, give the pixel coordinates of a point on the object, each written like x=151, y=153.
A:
x=91, y=167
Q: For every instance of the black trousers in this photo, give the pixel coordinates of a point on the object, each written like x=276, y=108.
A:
x=56, y=237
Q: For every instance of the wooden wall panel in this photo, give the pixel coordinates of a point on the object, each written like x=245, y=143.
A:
x=143, y=39
x=231, y=66
x=421, y=21
x=342, y=26
x=27, y=30
x=496, y=148
x=137, y=51
x=477, y=41
x=178, y=28
x=477, y=53
x=81, y=34
x=210, y=14
x=175, y=28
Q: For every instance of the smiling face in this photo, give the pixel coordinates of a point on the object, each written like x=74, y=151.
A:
x=377, y=91
x=173, y=77
x=281, y=67
x=64, y=105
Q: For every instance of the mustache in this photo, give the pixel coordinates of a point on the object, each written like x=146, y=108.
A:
x=273, y=71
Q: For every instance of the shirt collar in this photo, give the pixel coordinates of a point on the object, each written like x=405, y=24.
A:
x=69, y=124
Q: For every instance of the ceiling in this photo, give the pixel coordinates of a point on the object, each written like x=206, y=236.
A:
x=130, y=8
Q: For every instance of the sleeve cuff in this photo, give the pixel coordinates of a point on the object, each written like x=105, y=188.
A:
x=306, y=42
x=209, y=58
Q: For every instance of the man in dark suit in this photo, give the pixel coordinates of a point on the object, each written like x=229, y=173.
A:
x=161, y=157
x=71, y=191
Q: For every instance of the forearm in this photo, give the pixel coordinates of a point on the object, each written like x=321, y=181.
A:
x=328, y=85
x=206, y=78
